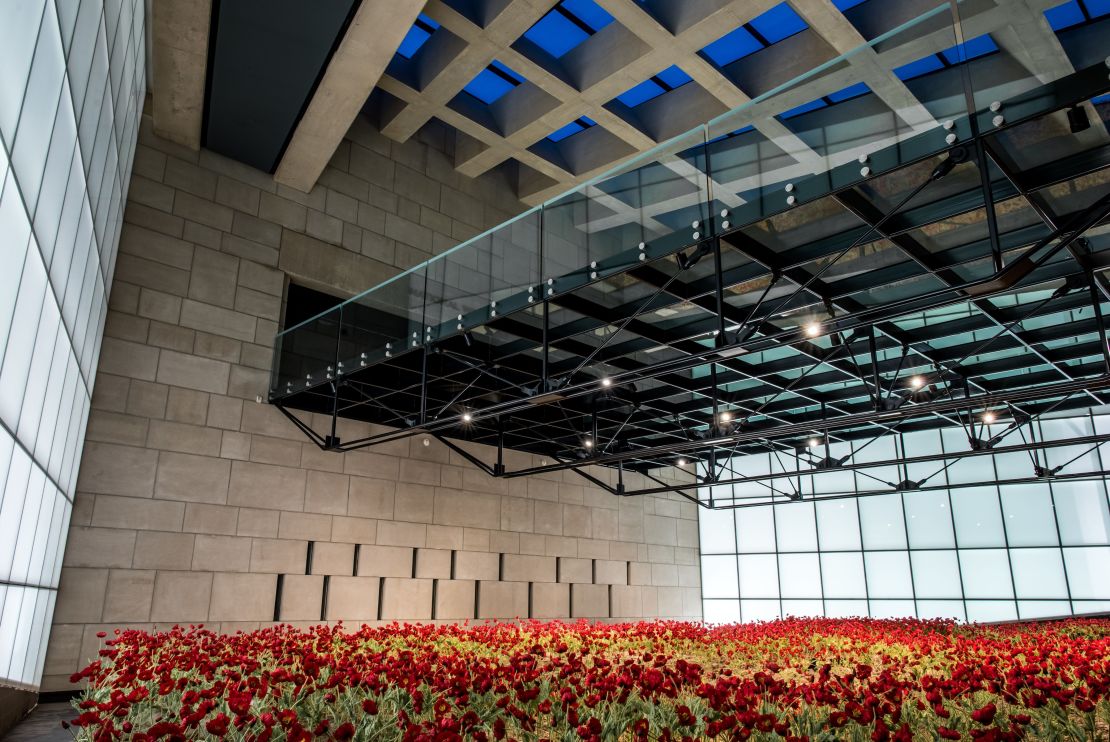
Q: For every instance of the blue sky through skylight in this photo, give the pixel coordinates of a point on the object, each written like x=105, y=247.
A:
x=420, y=32
x=776, y=24
x=980, y=46
x=852, y=91
x=920, y=67
x=1065, y=16
x=654, y=86
x=732, y=46
x=592, y=14
x=813, y=105
x=848, y=93
x=579, y=124
x=738, y=132
x=567, y=25
x=493, y=82
x=1075, y=12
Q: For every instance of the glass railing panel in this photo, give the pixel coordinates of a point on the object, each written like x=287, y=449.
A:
x=1020, y=60
x=869, y=104
x=305, y=355
x=384, y=322
x=813, y=173
x=492, y=275
x=648, y=208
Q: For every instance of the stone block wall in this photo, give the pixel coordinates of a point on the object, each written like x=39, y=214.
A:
x=197, y=504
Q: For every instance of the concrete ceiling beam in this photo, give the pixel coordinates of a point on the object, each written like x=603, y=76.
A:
x=354, y=70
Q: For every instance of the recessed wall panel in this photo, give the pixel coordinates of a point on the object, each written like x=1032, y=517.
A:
x=72, y=82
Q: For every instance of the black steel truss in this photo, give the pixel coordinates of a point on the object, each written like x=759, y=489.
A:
x=870, y=327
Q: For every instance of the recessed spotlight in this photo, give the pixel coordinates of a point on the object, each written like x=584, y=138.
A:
x=725, y=416
x=607, y=381
x=813, y=329
x=917, y=382
x=682, y=462
x=989, y=417
x=427, y=441
x=588, y=443
x=467, y=417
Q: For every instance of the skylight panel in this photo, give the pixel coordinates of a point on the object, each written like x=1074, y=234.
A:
x=852, y=91
x=578, y=125
x=653, y=87
x=493, y=82
x=731, y=134
x=589, y=12
x=641, y=93
x=813, y=105
x=555, y=34
x=567, y=25
x=732, y=46
x=778, y=23
x=971, y=49
x=420, y=32
x=1065, y=16
x=920, y=67
x=674, y=76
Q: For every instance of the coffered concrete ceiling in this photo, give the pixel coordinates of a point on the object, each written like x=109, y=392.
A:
x=556, y=93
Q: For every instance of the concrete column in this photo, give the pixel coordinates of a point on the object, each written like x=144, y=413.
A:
x=180, y=51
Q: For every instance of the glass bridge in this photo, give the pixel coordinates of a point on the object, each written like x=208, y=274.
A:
x=910, y=235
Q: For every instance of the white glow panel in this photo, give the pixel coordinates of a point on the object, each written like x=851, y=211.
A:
x=72, y=81
x=969, y=550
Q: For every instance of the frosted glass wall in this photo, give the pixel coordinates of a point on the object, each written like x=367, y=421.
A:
x=978, y=553
x=72, y=83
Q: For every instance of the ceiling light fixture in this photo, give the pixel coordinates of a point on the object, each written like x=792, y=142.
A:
x=989, y=417
x=682, y=462
x=588, y=443
x=814, y=443
x=917, y=382
x=467, y=417
x=725, y=416
x=813, y=329
x=607, y=381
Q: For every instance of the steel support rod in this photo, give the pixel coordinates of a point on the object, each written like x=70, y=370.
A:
x=847, y=421
x=986, y=287
x=1096, y=302
x=901, y=462
x=1093, y=476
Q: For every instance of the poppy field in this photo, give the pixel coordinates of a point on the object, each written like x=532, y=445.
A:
x=795, y=679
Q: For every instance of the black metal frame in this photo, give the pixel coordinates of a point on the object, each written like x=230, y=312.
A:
x=602, y=404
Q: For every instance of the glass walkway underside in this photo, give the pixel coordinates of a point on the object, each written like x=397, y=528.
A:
x=835, y=260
